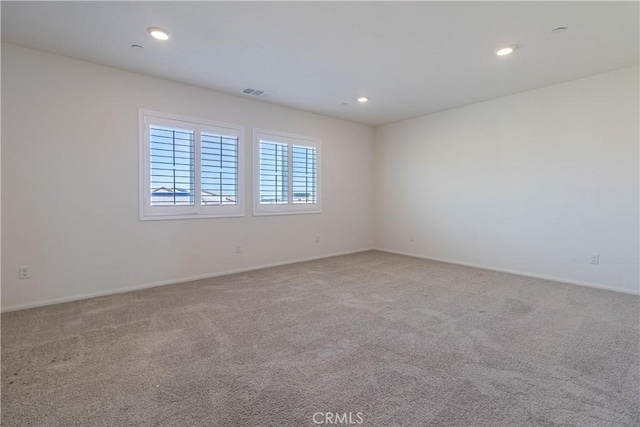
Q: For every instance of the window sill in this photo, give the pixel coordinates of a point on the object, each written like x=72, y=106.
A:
x=287, y=213
x=189, y=216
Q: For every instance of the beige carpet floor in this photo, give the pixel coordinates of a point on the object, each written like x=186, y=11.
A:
x=403, y=341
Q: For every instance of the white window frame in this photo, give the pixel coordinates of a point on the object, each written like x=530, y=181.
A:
x=146, y=118
x=290, y=140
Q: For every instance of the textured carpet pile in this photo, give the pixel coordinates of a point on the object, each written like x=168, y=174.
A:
x=402, y=341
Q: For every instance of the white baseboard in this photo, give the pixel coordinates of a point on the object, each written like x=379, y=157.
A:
x=168, y=282
x=516, y=272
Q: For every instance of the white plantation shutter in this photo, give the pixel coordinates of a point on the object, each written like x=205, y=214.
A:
x=287, y=178
x=274, y=173
x=220, y=172
x=189, y=168
x=219, y=169
x=172, y=166
x=304, y=174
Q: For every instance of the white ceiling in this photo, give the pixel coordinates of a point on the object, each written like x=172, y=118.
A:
x=410, y=58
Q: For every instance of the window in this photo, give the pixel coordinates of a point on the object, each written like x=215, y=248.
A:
x=287, y=173
x=189, y=168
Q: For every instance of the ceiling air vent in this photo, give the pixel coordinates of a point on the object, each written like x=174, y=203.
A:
x=256, y=92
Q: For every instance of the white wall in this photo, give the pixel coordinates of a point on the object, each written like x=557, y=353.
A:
x=70, y=184
x=533, y=183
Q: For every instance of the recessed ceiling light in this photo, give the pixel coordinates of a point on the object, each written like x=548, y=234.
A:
x=503, y=51
x=363, y=99
x=559, y=30
x=136, y=46
x=158, y=33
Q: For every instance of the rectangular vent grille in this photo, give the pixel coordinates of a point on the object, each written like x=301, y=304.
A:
x=256, y=92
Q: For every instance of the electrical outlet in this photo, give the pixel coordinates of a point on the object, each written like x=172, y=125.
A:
x=595, y=259
x=238, y=249
x=411, y=238
x=317, y=239
x=24, y=272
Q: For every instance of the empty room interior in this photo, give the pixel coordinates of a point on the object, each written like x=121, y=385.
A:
x=320, y=213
